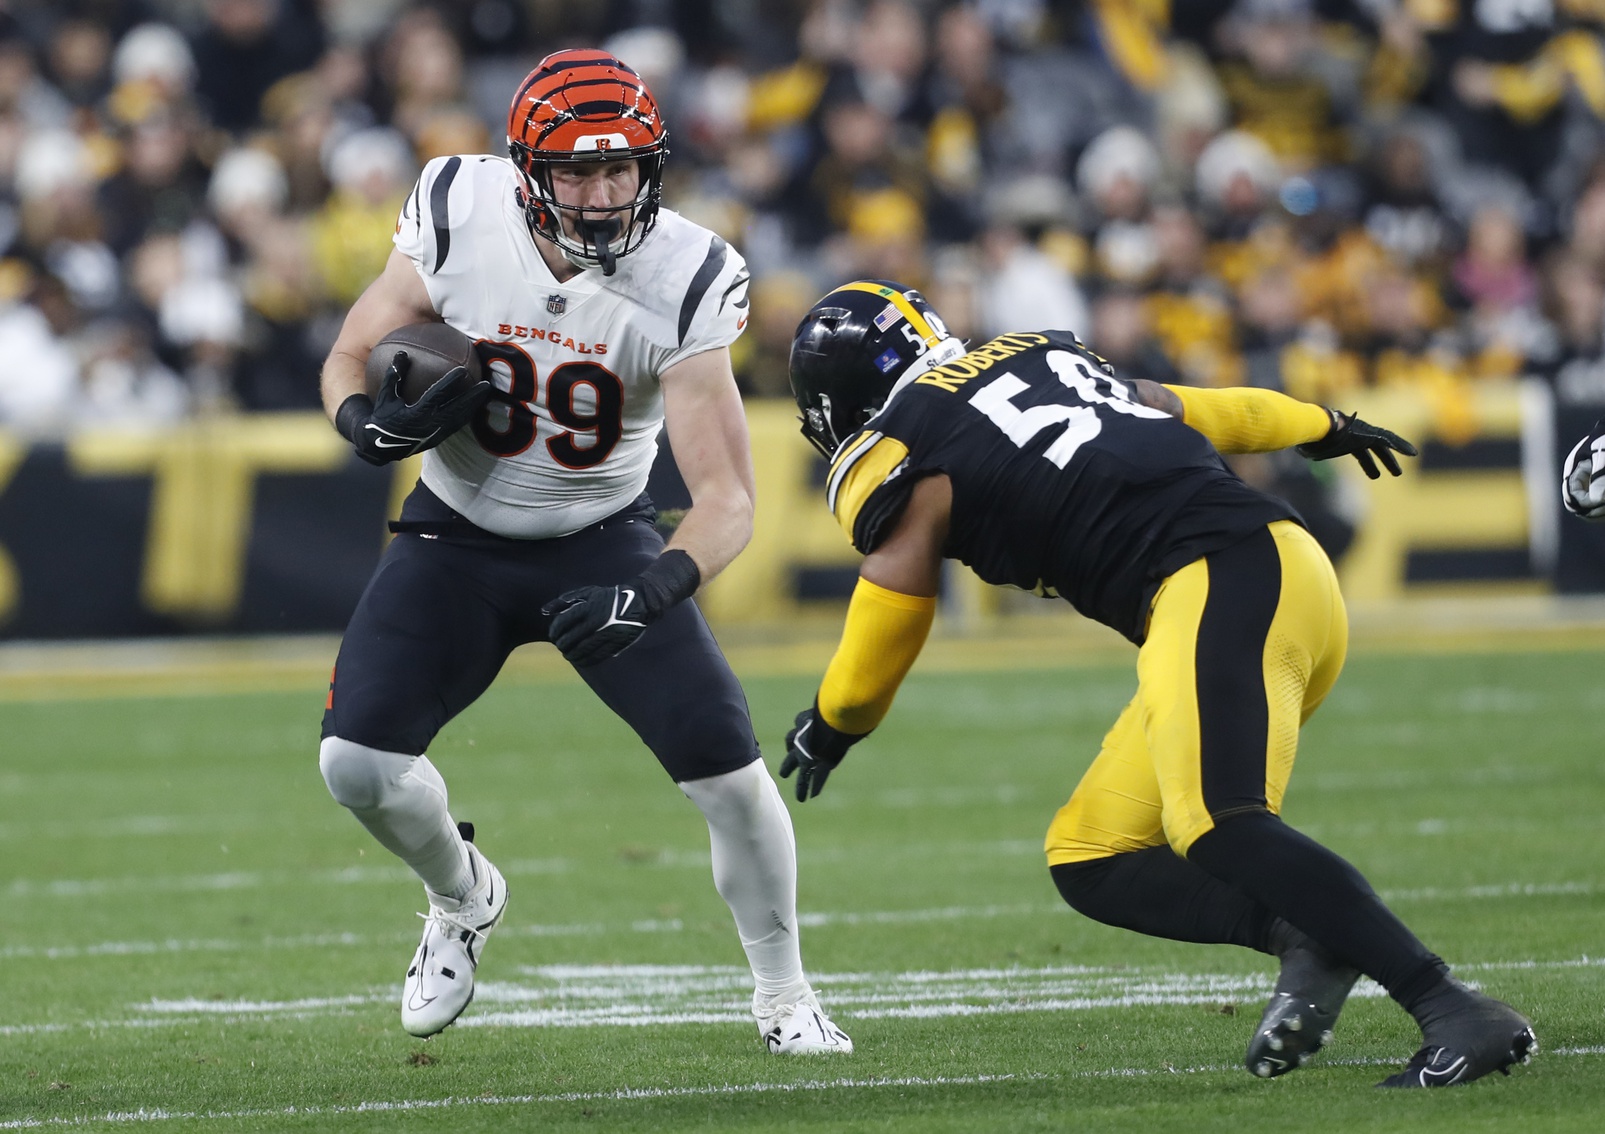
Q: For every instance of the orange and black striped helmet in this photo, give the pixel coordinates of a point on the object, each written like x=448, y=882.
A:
x=587, y=106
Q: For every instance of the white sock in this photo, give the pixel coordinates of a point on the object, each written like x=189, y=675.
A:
x=401, y=799
x=755, y=871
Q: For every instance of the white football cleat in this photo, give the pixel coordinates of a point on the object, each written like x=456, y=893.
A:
x=440, y=980
x=801, y=1029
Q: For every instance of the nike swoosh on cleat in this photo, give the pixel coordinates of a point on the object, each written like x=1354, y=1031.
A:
x=1446, y=1077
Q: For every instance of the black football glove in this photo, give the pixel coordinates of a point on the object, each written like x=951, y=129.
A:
x=813, y=749
x=387, y=429
x=1351, y=436
x=593, y=624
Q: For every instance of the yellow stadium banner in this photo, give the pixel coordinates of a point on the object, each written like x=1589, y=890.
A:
x=268, y=522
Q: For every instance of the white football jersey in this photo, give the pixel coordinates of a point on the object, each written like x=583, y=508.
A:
x=581, y=360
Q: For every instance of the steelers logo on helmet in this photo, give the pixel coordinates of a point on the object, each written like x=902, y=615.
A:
x=853, y=348
x=581, y=107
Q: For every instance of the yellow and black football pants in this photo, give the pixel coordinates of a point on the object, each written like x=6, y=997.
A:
x=1174, y=829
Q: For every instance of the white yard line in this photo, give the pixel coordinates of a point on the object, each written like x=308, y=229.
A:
x=634, y=1094
x=385, y=873
x=808, y=920
x=586, y=996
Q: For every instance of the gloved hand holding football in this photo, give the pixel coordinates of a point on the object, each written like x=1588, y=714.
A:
x=425, y=383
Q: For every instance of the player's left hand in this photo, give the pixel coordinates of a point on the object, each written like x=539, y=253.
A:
x=1349, y=436
x=813, y=749
x=593, y=624
x=1582, y=484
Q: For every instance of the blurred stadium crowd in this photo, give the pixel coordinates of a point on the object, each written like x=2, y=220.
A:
x=1316, y=195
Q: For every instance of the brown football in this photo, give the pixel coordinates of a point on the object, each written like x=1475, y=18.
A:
x=433, y=350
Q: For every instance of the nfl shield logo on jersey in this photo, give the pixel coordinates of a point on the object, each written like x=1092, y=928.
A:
x=556, y=304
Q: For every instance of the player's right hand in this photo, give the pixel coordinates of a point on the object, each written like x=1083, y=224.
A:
x=1582, y=481
x=1349, y=436
x=813, y=749
x=393, y=429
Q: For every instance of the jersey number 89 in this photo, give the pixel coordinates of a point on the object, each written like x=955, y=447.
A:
x=507, y=425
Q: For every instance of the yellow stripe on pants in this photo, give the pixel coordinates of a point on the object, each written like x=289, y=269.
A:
x=1144, y=788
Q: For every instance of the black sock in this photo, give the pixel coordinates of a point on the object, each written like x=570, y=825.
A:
x=1155, y=891
x=1321, y=894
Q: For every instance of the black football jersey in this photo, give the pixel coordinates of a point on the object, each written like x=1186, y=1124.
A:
x=1063, y=484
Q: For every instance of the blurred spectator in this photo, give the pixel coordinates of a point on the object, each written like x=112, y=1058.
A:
x=178, y=281
x=1021, y=287
x=968, y=104
x=1575, y=301
x=80, y=58
x=1117, y=174
x=24, y=94
x=1586, y=235
x=885, y=239
x=1189, y=309
x=860, y=156
x=422, y=67
x=38, y=373
x=153, y=69
x=1499, y=288
x=371, y=171
x=1236, y=179
x=160, y=185
x=1403, y=213
x=1274, y=86
x=59, y=222
x=887, y=61
x=122, y=380
x=246, y=47
x=1190, y=108
x=1122, y=332
x=779, y=301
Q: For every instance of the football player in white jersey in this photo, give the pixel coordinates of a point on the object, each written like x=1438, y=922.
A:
x=602, y=318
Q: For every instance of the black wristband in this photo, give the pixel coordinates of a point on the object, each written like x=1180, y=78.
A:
x=673, y=577
x=349, y=418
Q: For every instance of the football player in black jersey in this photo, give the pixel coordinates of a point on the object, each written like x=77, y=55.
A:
x=1029, y=460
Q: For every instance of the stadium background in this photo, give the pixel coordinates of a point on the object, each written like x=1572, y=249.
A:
x=1396, y=206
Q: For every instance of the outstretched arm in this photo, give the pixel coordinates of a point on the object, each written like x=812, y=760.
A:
x=1247, y=419
x=708, y=430
x=887, y=623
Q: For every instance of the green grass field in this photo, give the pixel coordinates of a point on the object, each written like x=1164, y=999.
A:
x=196, y=937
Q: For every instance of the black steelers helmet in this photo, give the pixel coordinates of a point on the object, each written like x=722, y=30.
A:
x=850, y=350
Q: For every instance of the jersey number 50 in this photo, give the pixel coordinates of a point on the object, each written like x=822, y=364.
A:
x=1081, y=422
x=507, y=425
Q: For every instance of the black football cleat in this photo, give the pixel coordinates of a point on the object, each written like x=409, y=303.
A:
x=1302, y=1012
x=1484, y=1036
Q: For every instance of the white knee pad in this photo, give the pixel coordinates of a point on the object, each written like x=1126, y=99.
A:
x=401, y=799
x=358, y=776
x=741, y=804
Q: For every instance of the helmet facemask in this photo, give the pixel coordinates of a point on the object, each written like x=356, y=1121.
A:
x=599, y=240
x=585, y=107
